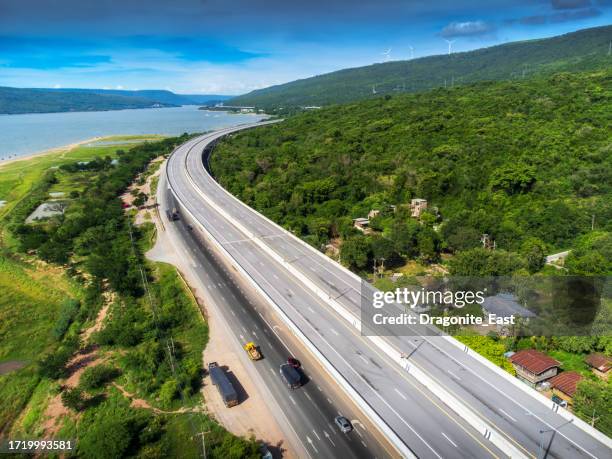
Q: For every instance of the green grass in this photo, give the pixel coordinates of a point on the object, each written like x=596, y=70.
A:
x=31, y=298
x=17, y=178
x=571, y=362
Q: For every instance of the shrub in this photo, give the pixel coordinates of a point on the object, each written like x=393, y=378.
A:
x=97, y=376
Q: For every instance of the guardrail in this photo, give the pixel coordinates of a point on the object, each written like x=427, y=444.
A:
x=547, y=403
x=384, y=428
x=460, y=408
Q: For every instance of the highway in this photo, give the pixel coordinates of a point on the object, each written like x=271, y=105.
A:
x=309, y=410
x=292, y=276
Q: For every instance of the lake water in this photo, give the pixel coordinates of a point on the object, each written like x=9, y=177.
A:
x=25, y=134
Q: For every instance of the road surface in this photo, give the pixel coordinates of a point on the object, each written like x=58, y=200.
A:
x=426, y=426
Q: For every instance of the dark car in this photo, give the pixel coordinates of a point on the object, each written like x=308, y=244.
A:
x=343, y=423
x=295, y=363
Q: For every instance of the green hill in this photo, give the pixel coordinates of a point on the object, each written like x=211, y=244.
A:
x=578, y=51
x=21, y=100
x=156, y=95
x=516, y=160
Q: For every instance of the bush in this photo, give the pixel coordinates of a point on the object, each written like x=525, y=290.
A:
x=97, y=376
x=68, y=311
x=73, y=399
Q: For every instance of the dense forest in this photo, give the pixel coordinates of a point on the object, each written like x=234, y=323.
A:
x=529, y=163
x=22, y=100
x=578, y=51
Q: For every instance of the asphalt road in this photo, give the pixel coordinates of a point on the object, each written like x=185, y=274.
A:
x=310, y=409
x=422, y=421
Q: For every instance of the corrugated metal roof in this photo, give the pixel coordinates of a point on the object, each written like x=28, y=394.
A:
x=534, y=361
x=566, y=382
x=599, y=361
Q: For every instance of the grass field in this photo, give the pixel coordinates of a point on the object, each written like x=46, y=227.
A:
x=17, y=177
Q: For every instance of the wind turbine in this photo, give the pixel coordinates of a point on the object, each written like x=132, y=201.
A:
x=387, y=55
x=450, y=45
x=411, y=52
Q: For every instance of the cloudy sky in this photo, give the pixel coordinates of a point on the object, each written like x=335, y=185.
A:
x=234, y=46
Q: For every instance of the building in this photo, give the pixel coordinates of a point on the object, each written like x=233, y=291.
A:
x=361, y=224
x=533, y=367
x=600, y=365
x=417, y=205
x=373, y=213
x=564, y=385
x=504, y=305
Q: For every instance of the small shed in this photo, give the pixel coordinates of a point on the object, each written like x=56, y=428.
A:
x=600, y=365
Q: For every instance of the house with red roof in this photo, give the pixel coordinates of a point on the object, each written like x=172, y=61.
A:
x=533, y=367
x=564, y=385
x=600, y=365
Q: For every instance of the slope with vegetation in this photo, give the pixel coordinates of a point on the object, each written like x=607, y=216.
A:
x=528, y=162
x=578, y=51
x=105, y=364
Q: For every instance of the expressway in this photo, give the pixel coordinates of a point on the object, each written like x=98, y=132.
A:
x=292, y=276
x=310, y=411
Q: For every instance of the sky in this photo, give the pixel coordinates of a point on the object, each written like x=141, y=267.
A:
x=235, y=46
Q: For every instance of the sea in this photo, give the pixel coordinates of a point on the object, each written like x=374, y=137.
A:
x=22, y=135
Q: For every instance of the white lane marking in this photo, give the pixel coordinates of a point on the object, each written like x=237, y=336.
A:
x=233, y=313
x=275, y=276
x=449, y=440
x=329, y=401
x=312, y=444
x=316, y=434
x=242, y=337
x=359, y=433
x=363, y=358
x=364, y=444
x=254, y=334
x=334, y=332
x=328, y=437
x=272, y=370
x=400, y=394
x=292, y=400
x=310, y=309
x=244, y=329
x=319, y=388
x=453, y=375
x=507, y=415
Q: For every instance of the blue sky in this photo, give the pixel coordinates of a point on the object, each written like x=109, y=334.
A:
x=234, y=46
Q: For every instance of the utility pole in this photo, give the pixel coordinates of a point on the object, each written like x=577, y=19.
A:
x=592, y=222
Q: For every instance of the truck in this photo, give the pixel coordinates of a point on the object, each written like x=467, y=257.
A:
x=173, y=214
x=252, y=350
x=224, y=386
x=291, y=376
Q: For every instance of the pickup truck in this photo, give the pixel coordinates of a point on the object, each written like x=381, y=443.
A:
x=224, y=386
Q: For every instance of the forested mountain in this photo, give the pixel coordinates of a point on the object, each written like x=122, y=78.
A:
x=527, y=162
x=156, y=95
x=578, y=51
x=18, y=100
x=40, y=100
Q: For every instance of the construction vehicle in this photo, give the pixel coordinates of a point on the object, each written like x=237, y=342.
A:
x=252, y=350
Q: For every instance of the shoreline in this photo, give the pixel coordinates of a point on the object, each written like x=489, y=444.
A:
x=63, y=148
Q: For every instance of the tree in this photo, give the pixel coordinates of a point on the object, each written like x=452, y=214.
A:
x=354, y=252
x=382, y=248
x=513, y=178
x=428, y=244
x=404, y=236
x=534, y=252
x=594, y=398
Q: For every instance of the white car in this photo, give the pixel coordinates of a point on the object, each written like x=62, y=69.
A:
x=343, y=423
